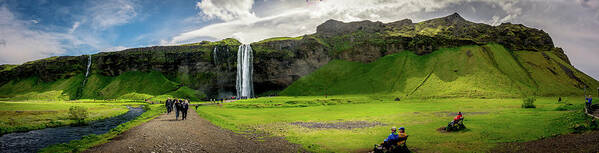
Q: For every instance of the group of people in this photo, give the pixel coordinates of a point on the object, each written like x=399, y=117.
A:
x=396, y=138
x=180, y=105
x=396, y=141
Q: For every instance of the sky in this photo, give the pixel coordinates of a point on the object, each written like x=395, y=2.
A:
x=36, y=29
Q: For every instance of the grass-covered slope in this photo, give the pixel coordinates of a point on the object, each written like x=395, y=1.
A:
x=468, y=71
x=129, y=85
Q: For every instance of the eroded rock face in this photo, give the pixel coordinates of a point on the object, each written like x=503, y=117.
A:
x=288, y=61
x=278, y=63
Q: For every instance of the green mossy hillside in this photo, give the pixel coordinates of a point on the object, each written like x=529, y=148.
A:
x=129, y=85
x=468, y=71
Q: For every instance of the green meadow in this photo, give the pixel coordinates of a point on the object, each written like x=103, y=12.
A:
x=488, y=121
x=24, y=116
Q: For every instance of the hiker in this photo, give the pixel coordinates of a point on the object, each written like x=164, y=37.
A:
x=589, y=103
x=167, y=104
x=184, y=108
x=177, y=108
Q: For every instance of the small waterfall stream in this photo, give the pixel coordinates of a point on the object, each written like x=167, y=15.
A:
x=89, y=64
x=244, y=84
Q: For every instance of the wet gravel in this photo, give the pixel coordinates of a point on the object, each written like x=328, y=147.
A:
x=165, y=134
x=338, y=125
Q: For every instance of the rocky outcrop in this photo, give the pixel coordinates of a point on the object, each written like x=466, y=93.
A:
x=277, y=64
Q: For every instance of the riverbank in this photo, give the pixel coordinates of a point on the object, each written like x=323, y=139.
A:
x=26, y=116
x=33, y=141
x=89, y=141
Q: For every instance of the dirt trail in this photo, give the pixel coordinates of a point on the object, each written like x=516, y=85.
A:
x=165, y=134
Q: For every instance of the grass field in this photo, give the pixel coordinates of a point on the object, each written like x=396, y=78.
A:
x=489, y=121
x=24, y=116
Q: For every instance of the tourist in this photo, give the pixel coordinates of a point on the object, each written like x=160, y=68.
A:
x=177, y=108
x=391, y=139
x=402, y=136
x=171, y=104
x=167, y=104
x=184, y=108
x=457, y=119
x=589, y=103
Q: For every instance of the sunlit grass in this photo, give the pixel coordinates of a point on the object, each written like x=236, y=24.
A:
x=489, y=121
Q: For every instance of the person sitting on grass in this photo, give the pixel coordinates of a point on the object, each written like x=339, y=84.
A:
x=457, y=118
x=402, y=137
x=391, y=139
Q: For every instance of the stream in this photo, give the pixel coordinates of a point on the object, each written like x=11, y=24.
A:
x=32, y=141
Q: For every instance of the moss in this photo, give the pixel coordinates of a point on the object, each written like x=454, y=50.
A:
x=280, y=39
x=468, y=71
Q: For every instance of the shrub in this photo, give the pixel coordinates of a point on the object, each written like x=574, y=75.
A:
x=528, y=102
x=78, y=113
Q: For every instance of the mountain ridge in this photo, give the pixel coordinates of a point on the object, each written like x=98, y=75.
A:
x=279, y=62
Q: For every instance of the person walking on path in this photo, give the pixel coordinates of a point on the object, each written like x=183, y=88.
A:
x=185, y=107
x=168, y=105
x=177, y=108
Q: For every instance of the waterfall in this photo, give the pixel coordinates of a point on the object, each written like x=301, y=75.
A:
x=89, y=64
x=214, y=56
x=244, y=85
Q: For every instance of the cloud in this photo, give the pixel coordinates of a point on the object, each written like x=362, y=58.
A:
x=240, y=22
x=20, y=43
x=105, y=14
x=115, y=48
x=226, y=10
x=23, y=40
x=75, y=26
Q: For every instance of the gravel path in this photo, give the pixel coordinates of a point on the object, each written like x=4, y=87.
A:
x=164, y=134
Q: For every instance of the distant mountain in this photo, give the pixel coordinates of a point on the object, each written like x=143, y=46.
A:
x=442, y=57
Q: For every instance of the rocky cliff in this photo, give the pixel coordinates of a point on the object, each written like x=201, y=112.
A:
x=278, y=62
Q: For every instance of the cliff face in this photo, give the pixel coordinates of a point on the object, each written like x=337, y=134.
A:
x=278, y=62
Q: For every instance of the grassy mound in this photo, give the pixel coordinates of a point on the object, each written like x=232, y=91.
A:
x=468, y=71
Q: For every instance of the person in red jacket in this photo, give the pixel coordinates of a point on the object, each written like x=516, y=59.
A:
x=457, y=118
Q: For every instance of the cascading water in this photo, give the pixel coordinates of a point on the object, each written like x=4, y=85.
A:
x=89, y=64
x=244, y=85
x=215, y=56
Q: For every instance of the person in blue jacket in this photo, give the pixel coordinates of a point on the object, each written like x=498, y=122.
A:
x=391, y=139
x=589, y=103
